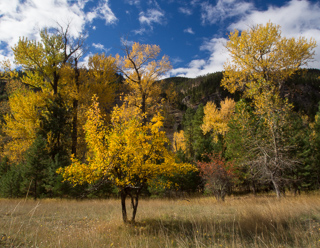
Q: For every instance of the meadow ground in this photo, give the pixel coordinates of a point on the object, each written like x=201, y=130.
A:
x=261, y=221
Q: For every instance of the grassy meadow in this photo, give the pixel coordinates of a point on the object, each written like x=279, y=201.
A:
x=248, y=221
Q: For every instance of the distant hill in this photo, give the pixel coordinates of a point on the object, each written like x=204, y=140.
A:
x=303, y=90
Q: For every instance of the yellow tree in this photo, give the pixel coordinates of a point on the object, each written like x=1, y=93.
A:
x=44, y=63
x=23, y=121
x=261, y=54
x=52, y=66
x=43, y=60
x=179, y=141
x=143, y=72
x=216, y=120
x=80, y=84
x=129, y=153
x=261, y=61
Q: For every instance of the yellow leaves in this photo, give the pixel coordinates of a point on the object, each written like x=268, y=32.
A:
x=142, y=72
x=24, y=120
x=179, y=141
x=217, y=120
x=102, y=68
x=261, y=62
x=127, y=152
x=260, y=53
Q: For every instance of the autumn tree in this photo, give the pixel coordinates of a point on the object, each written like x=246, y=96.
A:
x=261, y=58
x=218, y=175
x=51, y=66
x=179, y=141
x=142, y=73
x=215, y=121
x=129, y=153
x=42, y=61
x=45, y=61
x=261, y=61
x=23, y=121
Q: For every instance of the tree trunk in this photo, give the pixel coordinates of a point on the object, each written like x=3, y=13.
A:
x=55, y=80
x=143, y=108
x=134, y=202
x=276, y=187
x=74, y=135
x=123, y=205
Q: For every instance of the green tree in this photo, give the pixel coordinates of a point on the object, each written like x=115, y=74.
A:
x=10, y=179
x=37, y=160
x=268, y=147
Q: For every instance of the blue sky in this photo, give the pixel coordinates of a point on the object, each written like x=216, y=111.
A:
x=192, y=33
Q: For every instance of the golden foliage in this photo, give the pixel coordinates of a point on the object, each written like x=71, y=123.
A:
x=23, y=121
x=215, y=120
x=128, y=153
x=179, y=141
x=40, y=60
x=262, y=54
x=142, y=72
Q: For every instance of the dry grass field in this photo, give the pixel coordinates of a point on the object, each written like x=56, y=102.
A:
x=261, y=221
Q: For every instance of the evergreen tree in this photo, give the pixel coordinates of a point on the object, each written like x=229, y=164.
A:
x=10, y=179
x=35, y=171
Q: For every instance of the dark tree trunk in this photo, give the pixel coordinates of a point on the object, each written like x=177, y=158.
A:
x=143, y=108
x=74, y=135
x=134, y=197
x=55, y=81
x=134, y=203
x=123, y=206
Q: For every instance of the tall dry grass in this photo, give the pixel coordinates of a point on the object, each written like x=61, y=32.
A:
x=201, y=222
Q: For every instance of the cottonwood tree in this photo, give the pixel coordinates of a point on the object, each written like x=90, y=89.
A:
x=215, y=121
x=142, y=73
x=51, y=68
x=261, y=61
x=23, y=121
x=42, y=61
x=261, y=57
x=45, y=61
x=130, y=153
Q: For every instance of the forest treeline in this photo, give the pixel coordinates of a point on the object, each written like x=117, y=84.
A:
x=102, y=130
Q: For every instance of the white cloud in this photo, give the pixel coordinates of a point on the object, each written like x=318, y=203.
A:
x=200, y=66
x=147, y=19
x=85, y=61
x=152, y=16
x=185, y=11
x=224, y=9
x=133, y=2
x=296, y=18
x=188, y=30
x=27, y=18
x=175, y=60
x=103, y=11
x=101, y=47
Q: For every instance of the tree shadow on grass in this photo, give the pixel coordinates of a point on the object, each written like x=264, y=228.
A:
x=251, y=229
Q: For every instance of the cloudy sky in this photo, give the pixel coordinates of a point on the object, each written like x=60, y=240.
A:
x=192, y=33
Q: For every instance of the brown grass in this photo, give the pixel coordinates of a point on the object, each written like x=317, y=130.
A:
x=201, y=222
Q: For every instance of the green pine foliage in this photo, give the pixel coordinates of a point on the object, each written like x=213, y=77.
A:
x=10, y=179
